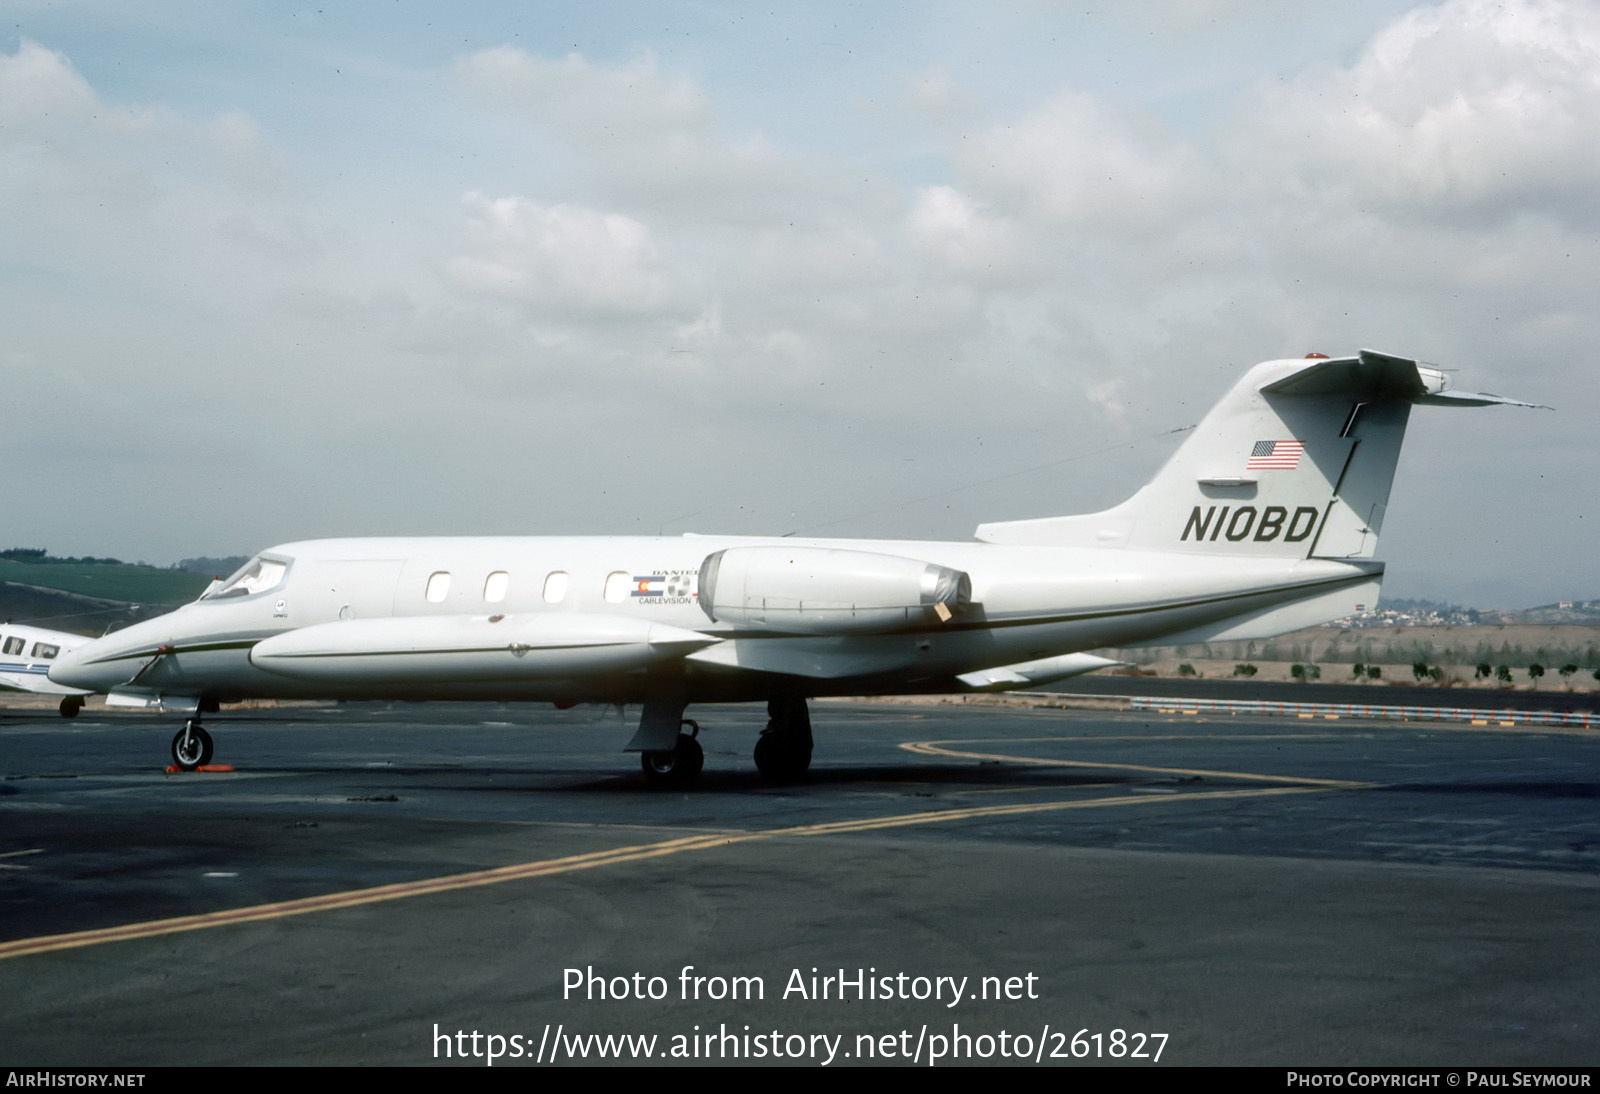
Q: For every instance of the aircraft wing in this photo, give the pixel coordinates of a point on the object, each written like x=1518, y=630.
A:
x=797, y=657
x=1042, y=671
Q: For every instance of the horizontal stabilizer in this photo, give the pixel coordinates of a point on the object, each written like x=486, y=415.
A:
x=1368, y=375
x=1374, y=375
x=1475, y=398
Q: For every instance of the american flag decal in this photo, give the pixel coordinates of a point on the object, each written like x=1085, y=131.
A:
x=1275, y=456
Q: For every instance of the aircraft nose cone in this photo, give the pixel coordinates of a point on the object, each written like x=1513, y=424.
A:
x=70, y=670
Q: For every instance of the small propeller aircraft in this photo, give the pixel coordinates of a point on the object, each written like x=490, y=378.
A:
x=1265, y=520
x=26, y=654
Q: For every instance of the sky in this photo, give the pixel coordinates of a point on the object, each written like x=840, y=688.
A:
x=271, y=272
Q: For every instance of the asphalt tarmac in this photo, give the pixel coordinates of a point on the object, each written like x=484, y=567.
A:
x=376, y=884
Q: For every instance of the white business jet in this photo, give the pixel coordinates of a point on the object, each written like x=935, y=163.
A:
x=26, y=654
x=1265, y=520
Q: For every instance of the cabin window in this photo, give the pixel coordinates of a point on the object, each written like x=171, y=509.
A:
x=44, y=651
x=494, y=589
x=14, y=645
x=618, y=585
x=438, y=587
x=555, y=587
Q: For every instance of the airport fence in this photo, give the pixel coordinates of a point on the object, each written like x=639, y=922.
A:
x=1578, y=718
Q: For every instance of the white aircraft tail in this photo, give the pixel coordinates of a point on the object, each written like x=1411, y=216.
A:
x=1296, y=461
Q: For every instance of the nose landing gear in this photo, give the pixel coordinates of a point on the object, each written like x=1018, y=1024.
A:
x=191, y=748
x=676, y=766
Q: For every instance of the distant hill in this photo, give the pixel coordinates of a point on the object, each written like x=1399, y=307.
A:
x=1416, y=604
x=112, y=581
x=62, y=611
x=1567, y=611
x=213, y=567
x=1462, y=647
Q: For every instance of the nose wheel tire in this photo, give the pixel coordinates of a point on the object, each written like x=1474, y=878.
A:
x=191, y=748
x=675, y=767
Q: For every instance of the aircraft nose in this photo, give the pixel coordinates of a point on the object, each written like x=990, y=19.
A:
x=71, y=669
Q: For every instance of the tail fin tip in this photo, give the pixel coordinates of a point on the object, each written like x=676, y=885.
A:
x=1291, y=438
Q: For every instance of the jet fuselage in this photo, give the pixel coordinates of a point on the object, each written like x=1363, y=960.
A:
x=1026, y=602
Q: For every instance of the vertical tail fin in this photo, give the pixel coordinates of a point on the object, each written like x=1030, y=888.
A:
x=1296, y=461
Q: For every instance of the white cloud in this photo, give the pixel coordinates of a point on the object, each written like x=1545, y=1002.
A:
x=1073, y=162
x=638, y=134
x=132, y=192
x=934, y=94
x=560, y=258
x=1063, y=276
x=39, y=89
x=1474, y=108
x=596, y=102
x=952, y=227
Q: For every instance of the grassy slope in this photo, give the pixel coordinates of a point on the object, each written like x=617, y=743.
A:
x=125, y=582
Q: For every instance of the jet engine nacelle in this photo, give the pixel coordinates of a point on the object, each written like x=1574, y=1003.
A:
x=820, y=590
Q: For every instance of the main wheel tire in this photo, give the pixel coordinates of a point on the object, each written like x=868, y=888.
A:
x=193, y=752
x=781, y=759
x=71, y=705
x=676, y=766
x=690, y=755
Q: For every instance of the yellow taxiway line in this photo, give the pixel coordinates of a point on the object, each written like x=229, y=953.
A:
x=682, y=845
x=937, y=748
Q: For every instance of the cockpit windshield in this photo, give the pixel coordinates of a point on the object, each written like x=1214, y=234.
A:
x=257, y=576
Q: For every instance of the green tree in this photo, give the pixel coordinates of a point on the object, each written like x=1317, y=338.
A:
x=1419, y=669
x=1484, y=671
x=1358, y=670
x=1374, y=672
x=1566, y=672
x=1313, y=672
x=1298, y=672
x=1186, y=669
x=1244, y=670
x=1502, y=673
x=1535, y=671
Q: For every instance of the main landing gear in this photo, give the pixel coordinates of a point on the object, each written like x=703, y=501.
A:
x=71, y=705
x=191, y=748
x=678, y=765
x=783, y=751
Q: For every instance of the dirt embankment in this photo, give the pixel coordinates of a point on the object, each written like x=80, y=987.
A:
x=1455, y=651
